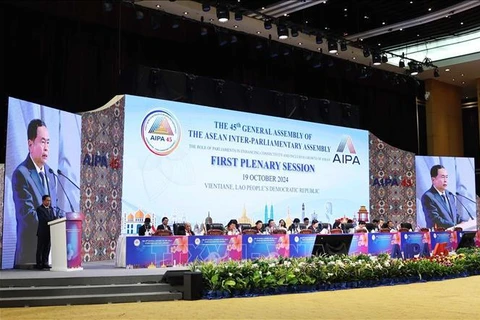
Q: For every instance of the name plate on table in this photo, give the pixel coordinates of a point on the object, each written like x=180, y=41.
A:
x=214, y=248
x=156, y=252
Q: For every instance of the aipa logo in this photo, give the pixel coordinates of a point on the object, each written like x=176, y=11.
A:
x=343, y=158
x=161, y=132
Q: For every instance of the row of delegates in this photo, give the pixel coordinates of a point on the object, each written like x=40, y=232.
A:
x=147, y=229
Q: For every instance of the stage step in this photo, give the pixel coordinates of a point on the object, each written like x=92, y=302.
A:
x=77, y=281
x=89, y=299
x=82, y=290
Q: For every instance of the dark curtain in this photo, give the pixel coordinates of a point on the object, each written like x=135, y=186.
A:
x=72, y=56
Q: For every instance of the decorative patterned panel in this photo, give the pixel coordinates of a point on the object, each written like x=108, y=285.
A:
x=101, y=174
x=392, y=198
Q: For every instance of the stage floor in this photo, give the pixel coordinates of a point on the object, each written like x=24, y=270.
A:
x=90, y=269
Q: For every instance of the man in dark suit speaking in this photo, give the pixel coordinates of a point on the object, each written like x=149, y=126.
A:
x=45, y=215
x=438, y=203
x=30, y=181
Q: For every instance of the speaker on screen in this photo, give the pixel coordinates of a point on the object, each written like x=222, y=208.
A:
x=334, y=244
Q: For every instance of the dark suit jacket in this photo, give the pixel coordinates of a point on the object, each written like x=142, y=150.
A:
x=162, y=227
x=27, y=195
x=44, y=216
x=437, y=212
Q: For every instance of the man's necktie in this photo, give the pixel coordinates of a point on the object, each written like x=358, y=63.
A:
x=44, y=183
x=444, y=198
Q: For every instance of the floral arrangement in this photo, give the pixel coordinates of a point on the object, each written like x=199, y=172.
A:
x=281, y=275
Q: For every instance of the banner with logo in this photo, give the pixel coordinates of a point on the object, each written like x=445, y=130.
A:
x=301, y=245
x=214, y=248
x=156, y=252
x=414, y=243
x=359, y=244
x=265, y=246
x=379, y=243
x=186, y=162
x=449, y=238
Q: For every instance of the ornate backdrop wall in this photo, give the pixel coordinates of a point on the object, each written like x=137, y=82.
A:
x=101, y=175
x=392, y=183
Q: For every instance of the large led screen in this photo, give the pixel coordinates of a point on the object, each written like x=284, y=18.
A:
x=446, y=192
x=40, y=141
x=187, y=162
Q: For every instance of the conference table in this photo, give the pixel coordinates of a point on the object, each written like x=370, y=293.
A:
x=154, y=251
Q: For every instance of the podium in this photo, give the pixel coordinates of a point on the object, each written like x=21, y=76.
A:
x=66, y=242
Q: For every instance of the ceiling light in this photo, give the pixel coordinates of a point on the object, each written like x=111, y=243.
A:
x=318, y=39
x=294, y=32
x=401, y=64
x=205, y=7
x=238, y=16
x=267, y=24
x=343, y=45
x=223, y=14
x=413, y=68
x=376, y=59
x=366, y=52
x=332, y=46
x=447, y=70
x=282, y=31
x=185, y=13
x=258, y=32
x=384, y=58
x=299, y=43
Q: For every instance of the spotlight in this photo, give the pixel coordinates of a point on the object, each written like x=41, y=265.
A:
x=267, y=24
x=343, y=45
x=413, y=68
x=205, y=7
x=238, y=16
x=223, y=14
x=401, y=64
x=332, y=46
x=282, y=32
x=384, y=58
x=436, y=74
x=107, y=6
x=318, y=39
x=376, y=59
x=420, y=68
x=175, y=24
x=366, y=52
x=316, y=62
x=294, y=32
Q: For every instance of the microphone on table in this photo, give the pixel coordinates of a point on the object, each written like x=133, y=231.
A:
x=61, y=173
x=63, y=189
x=458, y=194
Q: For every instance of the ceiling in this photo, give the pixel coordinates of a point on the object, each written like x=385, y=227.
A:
x=383, y=26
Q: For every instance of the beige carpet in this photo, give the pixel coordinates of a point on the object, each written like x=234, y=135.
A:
x=450, y=299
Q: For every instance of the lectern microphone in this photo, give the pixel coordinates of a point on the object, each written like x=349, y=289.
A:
x=61, y=173
x=63, y=189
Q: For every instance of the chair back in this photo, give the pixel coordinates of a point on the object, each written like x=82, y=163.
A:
x=424, y=230
x=458, y=229
x=162, y=233
x=385, y=230
x=403, y=230
x=279, y=231
x=336, y=231
x=440, y=229
x=249, y=231
x=215, y=232
x=361, y=230
x=307, y=231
